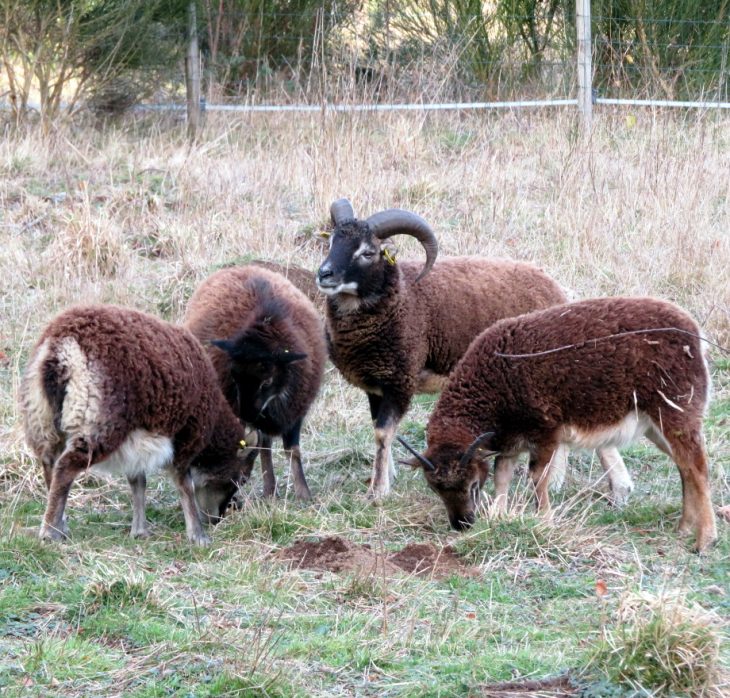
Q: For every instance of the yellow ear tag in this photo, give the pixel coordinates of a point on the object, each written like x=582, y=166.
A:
x=243, y=443
x=389, y=256
x=324, y=233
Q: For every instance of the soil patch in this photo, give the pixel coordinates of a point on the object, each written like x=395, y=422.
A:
x=557, y=687
x=337, y=554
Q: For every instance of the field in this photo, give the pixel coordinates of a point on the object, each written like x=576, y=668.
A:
x=388, y=601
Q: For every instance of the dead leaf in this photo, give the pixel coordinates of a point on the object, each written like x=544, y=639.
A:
x=601, y=588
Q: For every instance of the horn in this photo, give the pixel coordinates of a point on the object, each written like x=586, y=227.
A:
x=427, y=464
x=395, y=220
x=341, y=210
x=469, y=453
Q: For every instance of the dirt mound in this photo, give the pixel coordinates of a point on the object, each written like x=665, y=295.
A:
x=426, y=560
x=337, y=554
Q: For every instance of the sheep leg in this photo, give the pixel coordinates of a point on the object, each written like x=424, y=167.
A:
x=540, y=475
x=558, y=467
x=386, y=420
x=697, y=515
x=293, y=452
x=267, y=466
x=138, y=484
x=71, y=462
x=618, y=477
x=504, y=468
x=193, y=521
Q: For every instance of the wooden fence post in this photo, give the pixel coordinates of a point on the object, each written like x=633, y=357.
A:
x=585, y=68
x=192, y=74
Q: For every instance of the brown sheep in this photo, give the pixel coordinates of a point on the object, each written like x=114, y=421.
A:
x=592, y=373
x=266, y=341
x=398, y=329
x=117, y=390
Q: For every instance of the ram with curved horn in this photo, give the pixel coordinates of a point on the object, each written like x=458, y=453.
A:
x=395, y=329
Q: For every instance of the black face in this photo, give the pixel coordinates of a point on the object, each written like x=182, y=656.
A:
x=218, y=474
x=459, y=485
x=261, y=378
x=213, y=499
x=355, y=255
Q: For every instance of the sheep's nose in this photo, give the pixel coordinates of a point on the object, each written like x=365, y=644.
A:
x=325, y=272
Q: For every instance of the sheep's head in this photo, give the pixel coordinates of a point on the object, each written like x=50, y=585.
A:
x=457, y=475
x=262, y=368
x=220, y=471
x=356, y=261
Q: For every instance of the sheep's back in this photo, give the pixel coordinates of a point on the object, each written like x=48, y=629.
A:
x=226, y=301
x=465, y=295
x=130, y=371
x=586, y=363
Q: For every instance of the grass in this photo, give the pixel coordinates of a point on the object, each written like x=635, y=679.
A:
x=640, y=210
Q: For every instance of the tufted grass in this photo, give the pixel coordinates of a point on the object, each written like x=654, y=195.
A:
x=134, y=216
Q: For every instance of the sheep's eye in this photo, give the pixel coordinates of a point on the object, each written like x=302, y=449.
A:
x=368, y=254
x=266, y=383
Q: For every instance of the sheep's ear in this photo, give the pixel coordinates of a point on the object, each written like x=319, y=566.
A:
x=225, y=344
x=288, y=357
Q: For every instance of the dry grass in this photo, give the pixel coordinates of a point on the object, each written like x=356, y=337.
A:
x=663, y=645
x=136, y=217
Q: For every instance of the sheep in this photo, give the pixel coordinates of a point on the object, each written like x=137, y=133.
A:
x=592, y=373
x=266, y=341
x=118, y=391
x=394, y=330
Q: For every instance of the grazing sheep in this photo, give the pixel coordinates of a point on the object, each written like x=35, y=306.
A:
x=266, y=341
x=117, y=390
x=593, y=373
x=396, y=329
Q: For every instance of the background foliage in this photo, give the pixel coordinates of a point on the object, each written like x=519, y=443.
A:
x=111, y=53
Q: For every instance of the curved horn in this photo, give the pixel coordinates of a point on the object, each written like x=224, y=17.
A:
x=341, y=210
x=396, y=220
x=424, y=461
x=469, y=453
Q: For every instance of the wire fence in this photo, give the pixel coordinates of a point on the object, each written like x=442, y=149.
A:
x=422, y=60
x=382, y=55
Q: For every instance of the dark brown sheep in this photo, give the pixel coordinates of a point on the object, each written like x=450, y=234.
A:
x=395, y=330
x=266, y=341
x=118, y=390
x=593, y=373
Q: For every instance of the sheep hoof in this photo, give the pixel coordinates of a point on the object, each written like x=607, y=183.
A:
x=201, y=539
x=303, y=494
x=620, y=494
x=50, y=533
x=378, y=494
x=141, y=533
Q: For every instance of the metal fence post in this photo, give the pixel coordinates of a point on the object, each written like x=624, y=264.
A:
x=585, y=69
x=192, y=74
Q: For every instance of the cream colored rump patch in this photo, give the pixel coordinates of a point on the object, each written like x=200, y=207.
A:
x=633, y=426
x=82, y=405
x=37, y=412
x=141, y=452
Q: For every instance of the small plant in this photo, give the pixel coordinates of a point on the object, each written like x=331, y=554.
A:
x=661, y=645
x=117, y=593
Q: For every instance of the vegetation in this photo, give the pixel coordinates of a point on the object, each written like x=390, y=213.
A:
x=109, y=54
x=134, y=215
